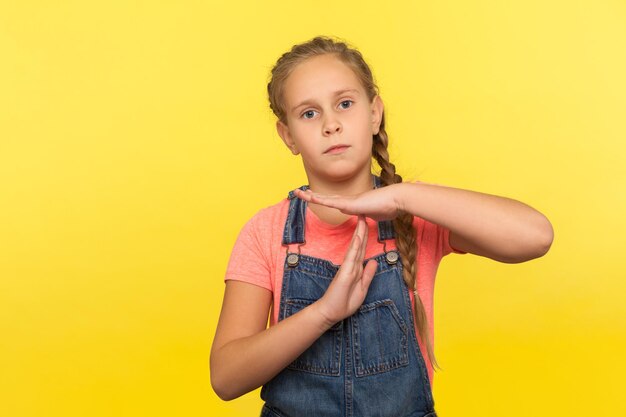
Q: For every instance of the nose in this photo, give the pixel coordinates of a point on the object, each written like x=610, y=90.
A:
x=331, y=125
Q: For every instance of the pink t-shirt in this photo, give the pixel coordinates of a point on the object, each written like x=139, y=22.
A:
x=258, y=255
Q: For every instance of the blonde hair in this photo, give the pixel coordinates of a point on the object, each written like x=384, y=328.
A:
x=403, y=224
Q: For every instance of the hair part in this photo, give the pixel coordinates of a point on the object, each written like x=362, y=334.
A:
x=406, y=241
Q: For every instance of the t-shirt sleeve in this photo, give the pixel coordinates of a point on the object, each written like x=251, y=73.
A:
x=437, y=236
x=249, y=259
x=444, y=237
x=435, y=240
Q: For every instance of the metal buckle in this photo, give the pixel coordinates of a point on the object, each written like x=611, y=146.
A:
x=392, y=256
x=293, y=258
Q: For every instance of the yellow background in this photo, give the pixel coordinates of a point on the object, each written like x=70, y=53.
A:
x=136, y=140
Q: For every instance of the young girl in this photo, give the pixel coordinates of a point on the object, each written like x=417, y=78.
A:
x=348, y=261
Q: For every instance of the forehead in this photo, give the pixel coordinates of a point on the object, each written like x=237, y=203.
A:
x=319, y=77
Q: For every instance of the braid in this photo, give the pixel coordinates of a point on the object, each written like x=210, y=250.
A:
x=406, y=240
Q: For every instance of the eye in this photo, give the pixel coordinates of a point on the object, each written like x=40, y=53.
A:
x=346, y=101
x=307, y=112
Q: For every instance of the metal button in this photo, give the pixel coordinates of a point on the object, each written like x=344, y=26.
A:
x=292, y=259
x=392, y=257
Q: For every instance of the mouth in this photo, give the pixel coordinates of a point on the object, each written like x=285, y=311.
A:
x=339, y=148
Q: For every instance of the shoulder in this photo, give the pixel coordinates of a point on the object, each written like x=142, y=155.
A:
x=256, y=244
x=264, y=225
x=270, y=215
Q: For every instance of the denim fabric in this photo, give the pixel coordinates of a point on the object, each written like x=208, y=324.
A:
x=368, y=364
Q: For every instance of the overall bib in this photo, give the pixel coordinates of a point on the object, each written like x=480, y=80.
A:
x=368, y=364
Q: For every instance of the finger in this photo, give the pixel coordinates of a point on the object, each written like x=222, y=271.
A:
x=352, y=242
x=362, y=226
x=364, y=236
x=298, y=193
x=310, y=196
x=351, y=254
x=361, y=233
x=368, y=274
x=302, y=195
x=338, y=202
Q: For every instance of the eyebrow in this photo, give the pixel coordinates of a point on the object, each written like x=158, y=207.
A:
x=335, y=94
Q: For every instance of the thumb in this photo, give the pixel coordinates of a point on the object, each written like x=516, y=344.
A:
x=368, y=274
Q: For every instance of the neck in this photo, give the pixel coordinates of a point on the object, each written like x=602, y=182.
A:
x=352, y=186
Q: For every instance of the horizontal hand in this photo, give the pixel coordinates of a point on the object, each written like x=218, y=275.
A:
x=378, y=204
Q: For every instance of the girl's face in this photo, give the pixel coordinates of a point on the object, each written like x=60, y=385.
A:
x=326, y=106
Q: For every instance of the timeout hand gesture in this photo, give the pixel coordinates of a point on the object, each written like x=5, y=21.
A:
x=378, y=204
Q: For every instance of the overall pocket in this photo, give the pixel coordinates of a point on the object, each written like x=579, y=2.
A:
x=380, y=338
x=268, y=411
x=323, y=356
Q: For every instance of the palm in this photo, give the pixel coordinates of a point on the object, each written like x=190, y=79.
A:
x=348, y=288
x=378, y=204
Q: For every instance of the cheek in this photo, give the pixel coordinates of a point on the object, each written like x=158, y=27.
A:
x=362, y=119
x=302, y=129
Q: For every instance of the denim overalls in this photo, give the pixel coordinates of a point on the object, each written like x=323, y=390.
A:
x=368, y=364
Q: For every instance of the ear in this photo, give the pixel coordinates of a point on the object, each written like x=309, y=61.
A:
x=377, y=114
x=283, y=132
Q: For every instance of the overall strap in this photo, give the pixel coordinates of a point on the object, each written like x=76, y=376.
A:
x=385, y=227
x=294, y=225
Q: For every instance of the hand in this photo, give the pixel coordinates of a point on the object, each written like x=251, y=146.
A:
x=348, y=289
x=379, y=204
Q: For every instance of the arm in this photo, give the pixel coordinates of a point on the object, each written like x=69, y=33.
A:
x=245, y=354
x=496, y=227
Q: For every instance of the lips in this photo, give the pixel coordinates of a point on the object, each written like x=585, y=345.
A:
x=336, y=148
